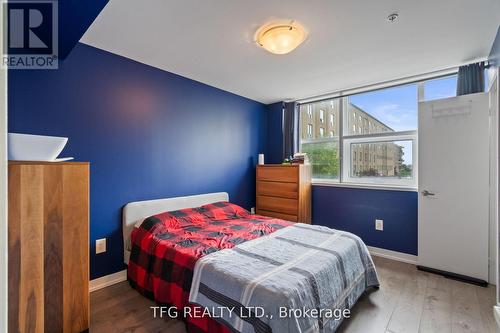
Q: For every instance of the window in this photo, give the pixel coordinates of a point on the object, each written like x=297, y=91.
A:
x=394, y=164
x=377, y=135
x=309, y=111
x=440, y=88
x=444, y=87
x=386, y=110
x=309, y=130
x=324, y=157
x=323, y=151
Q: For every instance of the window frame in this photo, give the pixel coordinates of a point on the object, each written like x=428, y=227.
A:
x=344, y=153
x=377, y=138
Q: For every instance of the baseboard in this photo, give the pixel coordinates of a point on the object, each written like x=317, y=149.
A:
x=393, y=255
x=108, y=280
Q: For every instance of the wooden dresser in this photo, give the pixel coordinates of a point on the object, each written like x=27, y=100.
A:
x=48, y=247
x=284, y=191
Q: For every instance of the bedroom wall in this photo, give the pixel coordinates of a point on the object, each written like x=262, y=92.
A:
x=147, y=134
x=274, y=147
x=355, y=210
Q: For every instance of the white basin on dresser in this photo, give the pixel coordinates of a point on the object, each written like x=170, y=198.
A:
x=28, y=147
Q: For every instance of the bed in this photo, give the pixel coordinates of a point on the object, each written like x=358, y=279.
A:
x=202, y=252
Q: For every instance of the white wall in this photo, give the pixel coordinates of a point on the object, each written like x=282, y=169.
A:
x=493, y=94
x=3, y=190
x=497, y=235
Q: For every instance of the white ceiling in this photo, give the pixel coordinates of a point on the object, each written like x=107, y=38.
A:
x=350, y=43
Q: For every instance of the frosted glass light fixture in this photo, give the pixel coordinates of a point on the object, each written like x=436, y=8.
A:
x=279, y=38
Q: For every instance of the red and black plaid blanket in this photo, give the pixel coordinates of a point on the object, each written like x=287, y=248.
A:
x=166, y=247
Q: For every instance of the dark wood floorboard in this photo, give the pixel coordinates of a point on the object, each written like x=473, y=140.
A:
x=408, y=301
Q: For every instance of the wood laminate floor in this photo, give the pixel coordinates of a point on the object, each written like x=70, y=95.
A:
x=408, y=301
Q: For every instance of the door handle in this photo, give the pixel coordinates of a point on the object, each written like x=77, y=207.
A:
x=426, y=193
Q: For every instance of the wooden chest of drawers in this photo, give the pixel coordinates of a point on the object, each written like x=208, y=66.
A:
x=284, y=191
x=48, y=247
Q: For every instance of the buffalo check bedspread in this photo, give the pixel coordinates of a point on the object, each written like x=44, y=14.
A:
x=167, y=247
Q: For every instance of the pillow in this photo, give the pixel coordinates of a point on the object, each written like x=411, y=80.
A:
x=223, y=210
x=178, y=218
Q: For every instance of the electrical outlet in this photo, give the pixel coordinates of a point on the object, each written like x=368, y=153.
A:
x=100, y=245
x=379, y=225
x=252, y=210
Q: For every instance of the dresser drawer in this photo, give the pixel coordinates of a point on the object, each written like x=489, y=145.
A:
x=279, y=205
x=277, y=189
x=288, y=174
x=287, y=217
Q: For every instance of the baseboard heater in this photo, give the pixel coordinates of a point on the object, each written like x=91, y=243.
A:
x=454, y=276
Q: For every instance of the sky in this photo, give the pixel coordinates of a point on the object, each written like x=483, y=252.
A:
x=397, y=107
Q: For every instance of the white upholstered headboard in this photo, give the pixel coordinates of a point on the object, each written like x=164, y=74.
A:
x=136, y=211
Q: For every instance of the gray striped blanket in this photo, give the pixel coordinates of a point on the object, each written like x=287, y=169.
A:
x=297, y=279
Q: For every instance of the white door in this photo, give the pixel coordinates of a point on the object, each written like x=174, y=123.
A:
x=453, y=201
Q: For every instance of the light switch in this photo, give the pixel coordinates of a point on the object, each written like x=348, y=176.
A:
x=100, y=245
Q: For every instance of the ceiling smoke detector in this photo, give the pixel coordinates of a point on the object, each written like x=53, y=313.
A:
x=392, y=18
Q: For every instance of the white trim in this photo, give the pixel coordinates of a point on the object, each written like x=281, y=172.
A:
x=496, y=314
x=496, y=204
x=3, y=188
x=107, y=280
x=393, y=255
x=389, y=137
x=383, y=136
x=331, y=183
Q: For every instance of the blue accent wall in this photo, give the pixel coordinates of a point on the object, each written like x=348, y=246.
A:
x=274, y=148
x=75, y=17
x=147, y=133
x=355, y=210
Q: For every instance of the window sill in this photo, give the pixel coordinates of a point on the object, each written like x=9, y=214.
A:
x=317, y=182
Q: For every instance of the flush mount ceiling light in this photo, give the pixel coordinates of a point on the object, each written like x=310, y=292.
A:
x=280, y=38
